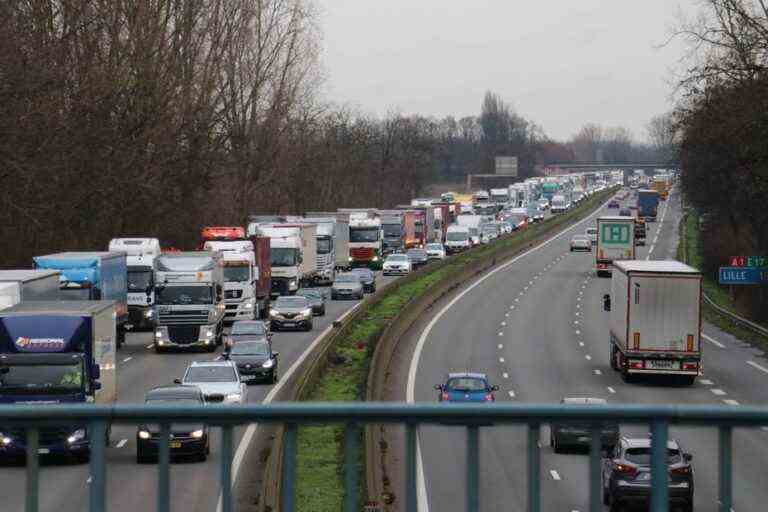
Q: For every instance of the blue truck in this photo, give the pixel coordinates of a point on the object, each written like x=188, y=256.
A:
x=647, y=204
x=54, y=352
x=92, y=276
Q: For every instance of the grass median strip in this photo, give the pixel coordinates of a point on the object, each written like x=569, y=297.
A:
x=319, y=478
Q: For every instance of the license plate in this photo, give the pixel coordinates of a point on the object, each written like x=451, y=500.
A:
x=289, y=324
x=43, y=451
x=662, y=365
x=644, y=476
x=583, y=439
x=175, y=444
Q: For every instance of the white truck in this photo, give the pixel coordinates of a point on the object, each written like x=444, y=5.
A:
x=293, y=250
x=559, y=204
x=241, y=274
x=473, y=223
x=332, y=238
x=500, y=196
x=140, y=257
x=655, y=319
x=340, y=236
x=25, y=285
x=615, y=241
x=366, y=239
x=457, y=239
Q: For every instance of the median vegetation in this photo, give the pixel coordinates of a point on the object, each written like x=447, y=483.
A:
x=319, y=480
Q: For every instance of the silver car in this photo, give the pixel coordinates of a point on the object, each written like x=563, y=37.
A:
x=219, y=381
x=581, y=243
x=347, y=286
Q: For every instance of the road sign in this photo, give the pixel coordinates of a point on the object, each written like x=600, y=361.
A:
x=615, y=233
x=749, y=261
x=506, y=165
x=743, y=275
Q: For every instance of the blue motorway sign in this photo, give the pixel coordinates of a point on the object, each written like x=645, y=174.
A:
x=743, y=275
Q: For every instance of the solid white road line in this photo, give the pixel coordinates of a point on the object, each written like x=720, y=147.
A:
x=421, y=486
x=712, y=340
x=718, y=392
x=730, y=401
x=611, y=390
x=759, y=367
x=555, y=474
x=121, y=443
x=250, y=431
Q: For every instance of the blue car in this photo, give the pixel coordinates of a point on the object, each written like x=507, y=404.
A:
x=466, y=387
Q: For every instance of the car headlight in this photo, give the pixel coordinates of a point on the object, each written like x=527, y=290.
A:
x=207, y=331
x=350, y=258
x=143, y=434
x=149, y=313
x=197, y=434
x=307, y=312
x=375, y=258
x=248, y=305
x=5, y=440
x=273, y=312
x=269, y=363
x=233, y=397
x=76, y=436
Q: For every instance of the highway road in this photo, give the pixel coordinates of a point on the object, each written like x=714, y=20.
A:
x=132, y=487
x=537, y=328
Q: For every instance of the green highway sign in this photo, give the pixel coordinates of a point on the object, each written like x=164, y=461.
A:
x=617, y=233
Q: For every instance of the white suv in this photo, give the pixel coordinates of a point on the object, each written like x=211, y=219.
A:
x=219, y=381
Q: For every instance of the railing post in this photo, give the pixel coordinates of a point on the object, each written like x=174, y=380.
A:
x=725, y=473
x=595, y=454
x=98, y=466
x=226, y=468
x=473, y=460
x=534, y=468
x=289, y=468
x=351, y=454
x=164, y=469
x=659, y=469
x=410, y=468
x=33, y=470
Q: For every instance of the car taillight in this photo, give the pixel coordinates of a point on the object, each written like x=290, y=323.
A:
x=624, y=469
x=489, y=397
x=690, y=366
x=636, y=364
x=444, y=396
x=682, y=470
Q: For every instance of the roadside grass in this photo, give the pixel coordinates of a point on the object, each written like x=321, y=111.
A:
x=319, y=471
x=689, y=251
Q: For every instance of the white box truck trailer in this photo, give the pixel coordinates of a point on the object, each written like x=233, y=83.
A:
x=655, y=319
x=615, y=242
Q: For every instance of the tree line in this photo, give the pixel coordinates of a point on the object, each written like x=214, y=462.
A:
x=719, y=128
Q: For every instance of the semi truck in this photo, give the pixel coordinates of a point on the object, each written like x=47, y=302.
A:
x=332, y=239
x=54, y=352
x=615, y=241
x=655, y=319
x=293, y=254
x=366, y=240
x=189, y=303
x=92, y=276
x=472, y=223
x=423, y=223
x=499, y=195
x=238, y=260
x=647, y=204
x=399, y=230
x=28, y=284
x=140, y=257
x=340, y=236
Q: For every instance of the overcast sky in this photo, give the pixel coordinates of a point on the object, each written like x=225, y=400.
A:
x=560, y=63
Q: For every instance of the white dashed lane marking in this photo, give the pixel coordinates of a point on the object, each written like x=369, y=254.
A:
x=706, y=382
x=610, y=389
x=511, y=394
x=501, y=359
x=718, y=392
x=555, y=475
x=757, y=366
x=505, y=375
x=712, y=341
x=127, y=359
x=588, y=357
x=121, y=443
x=501, y=346
x=598, y=372
x=730, y=401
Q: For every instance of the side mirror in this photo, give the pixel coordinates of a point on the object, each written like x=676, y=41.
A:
x=494, y=388
x=439, y=387
x=606, y=302
x=687, y=457
x=177, y=381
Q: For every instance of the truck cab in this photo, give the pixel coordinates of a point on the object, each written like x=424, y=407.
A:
x=240, y=276
x=190, y=304
x=141, y=254
x=366, y=240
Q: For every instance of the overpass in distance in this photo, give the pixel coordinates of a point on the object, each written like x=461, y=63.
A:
x=596, y=166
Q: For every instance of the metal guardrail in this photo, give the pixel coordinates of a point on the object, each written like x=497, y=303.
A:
x=354, y=415
x=736, y=318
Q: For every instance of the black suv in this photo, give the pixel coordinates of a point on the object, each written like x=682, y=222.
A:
x=626, y=474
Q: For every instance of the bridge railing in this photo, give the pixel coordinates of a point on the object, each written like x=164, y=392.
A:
x=354, y=416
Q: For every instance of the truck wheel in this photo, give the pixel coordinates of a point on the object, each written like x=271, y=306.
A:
x=688, y=380
x=83, y=458
x=120, y=337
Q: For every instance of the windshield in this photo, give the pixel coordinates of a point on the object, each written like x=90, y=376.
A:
x=210, y=374
x=237, y=274
x=434, y=247
x=392, y=230
x=398, y=258
x=363, y=234
x=249, y=348
x=309, y=293
x=139, y=280
x=466, y=384
x=363, y=272
x=284, y=256
x=184, y=295
x=417, y=253
x=248, y=328
x=291, y=302
x=51, y=378
x=347, y=278
x=176, y=402
x=642, y=456
x=324, y=245
x=457, y=236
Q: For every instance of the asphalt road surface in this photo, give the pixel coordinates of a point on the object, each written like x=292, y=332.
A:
x=537, y=328
x=132, y=487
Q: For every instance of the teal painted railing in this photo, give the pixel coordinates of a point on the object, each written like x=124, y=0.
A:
x=356, y=415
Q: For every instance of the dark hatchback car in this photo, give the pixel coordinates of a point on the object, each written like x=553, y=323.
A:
x=254, y=359
x=418, y=257
x=626, y=474
x=187, y=439
x=367, y=279
x=577, y=435
x=316, y=299
x=248, y=330
x=466, y=387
